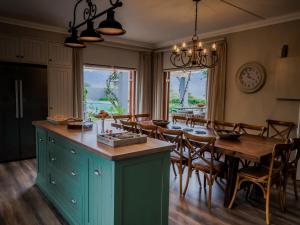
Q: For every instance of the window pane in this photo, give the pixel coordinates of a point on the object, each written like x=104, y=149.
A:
x=106, y=89
x=188, y=92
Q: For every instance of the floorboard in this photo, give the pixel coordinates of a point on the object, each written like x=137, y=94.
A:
x=21, y=203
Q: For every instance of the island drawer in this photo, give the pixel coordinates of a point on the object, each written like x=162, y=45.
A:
x=68, y=195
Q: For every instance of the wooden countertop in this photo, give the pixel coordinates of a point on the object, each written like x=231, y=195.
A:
x=89, y=141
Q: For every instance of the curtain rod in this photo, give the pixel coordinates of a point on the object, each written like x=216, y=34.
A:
x=107, y=66
x=189, y=44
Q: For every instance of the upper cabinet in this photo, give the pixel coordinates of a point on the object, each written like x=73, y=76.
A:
x=23, y=50
x=9, y=49
x=59, y=55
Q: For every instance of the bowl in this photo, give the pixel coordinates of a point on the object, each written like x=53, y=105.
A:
x=233, y=135
x=161, y=123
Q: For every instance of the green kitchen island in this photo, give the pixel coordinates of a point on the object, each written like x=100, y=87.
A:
x=94, y=184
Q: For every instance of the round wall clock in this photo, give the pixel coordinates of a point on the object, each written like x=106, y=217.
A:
x=251, y=77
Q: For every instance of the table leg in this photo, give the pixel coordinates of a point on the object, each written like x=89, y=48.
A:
x=233, y=166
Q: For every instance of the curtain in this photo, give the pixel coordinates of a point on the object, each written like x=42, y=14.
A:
x=77, y=83
x=217, y=85
x=144, y=84
x=158, y=86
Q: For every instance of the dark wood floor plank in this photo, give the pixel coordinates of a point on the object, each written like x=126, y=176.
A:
x=21, y=203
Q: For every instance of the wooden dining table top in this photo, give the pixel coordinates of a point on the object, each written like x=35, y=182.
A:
x=247, y=146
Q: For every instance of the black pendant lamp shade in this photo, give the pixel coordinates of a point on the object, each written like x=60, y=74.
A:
x=90, y=35
x=73, y=42
x=110, y=26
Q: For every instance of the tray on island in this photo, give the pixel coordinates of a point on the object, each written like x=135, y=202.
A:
x=121, y=139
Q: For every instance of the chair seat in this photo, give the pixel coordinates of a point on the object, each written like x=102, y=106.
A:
x=254, y=172
x=175, y=157
x=200, y=164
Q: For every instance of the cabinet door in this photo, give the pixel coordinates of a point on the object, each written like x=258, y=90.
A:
x=33, y=51
x=101, y=201
x=9, y=49
x=60, y=91
x=59, y=55
x=41, y=151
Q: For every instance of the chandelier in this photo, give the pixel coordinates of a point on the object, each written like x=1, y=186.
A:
x=197, y=56
x=107, y=27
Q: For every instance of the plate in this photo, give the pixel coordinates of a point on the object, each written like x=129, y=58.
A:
x=176, y=127
x=200, y=132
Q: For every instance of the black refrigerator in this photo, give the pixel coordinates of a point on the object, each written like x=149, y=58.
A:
x=23, y=99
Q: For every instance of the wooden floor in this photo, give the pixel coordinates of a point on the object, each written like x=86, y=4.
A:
x=21, y=203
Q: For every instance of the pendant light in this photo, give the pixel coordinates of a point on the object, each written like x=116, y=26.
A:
x=90, y=35
x=110, y=26
x=73, y=42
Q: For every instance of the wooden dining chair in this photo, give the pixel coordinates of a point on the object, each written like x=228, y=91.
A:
x=266, y=176
x=149, y=129
x=129, y=126
x=200, y=121
x=279, y=129
x=223, y=126
x=179, y=118
x=117, y=118
x=251, y=129
x=142, y=117
x=293, y=163
x=178, y=157
x=201, y=159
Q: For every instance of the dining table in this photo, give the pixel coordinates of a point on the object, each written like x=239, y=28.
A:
x=247, y=147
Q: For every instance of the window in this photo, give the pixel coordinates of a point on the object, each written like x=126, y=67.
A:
x=187, y=92
x=108, y=89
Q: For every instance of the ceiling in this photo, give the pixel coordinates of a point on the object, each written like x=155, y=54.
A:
x=155, y=21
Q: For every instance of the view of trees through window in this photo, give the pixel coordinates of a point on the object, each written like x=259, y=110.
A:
x=188, y=91
x=106, y=89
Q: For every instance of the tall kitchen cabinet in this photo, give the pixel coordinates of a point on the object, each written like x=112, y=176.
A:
x=60, y=80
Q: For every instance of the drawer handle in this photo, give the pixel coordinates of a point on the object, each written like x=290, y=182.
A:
x=73, y=173
x=97, y=173
x=73, y=151
x=41, y=140
x=53, y=182
x=53, y=141
x=53, y=159
x=73, y=201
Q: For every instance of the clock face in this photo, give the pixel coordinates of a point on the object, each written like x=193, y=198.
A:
x=250, y=77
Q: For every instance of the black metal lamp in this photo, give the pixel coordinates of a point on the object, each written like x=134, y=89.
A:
x=110, y=26
x=73, y=42
x=90, y=35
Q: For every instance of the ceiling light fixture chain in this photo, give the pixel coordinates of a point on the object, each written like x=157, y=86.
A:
x=197, y=56
x=107, y=27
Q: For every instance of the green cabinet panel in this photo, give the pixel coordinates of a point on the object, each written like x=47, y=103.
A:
x=142, y=190
x=90, y=190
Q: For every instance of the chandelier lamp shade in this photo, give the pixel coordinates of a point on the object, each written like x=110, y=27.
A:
x=107, y=27
x=195, y=56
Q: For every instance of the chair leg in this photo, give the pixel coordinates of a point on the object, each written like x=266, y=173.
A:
x=198, y=178
x=173, y=167
x=234, y=193
x=180, y=177
x=204, y=177
x=268, y=207
x=187, y=181
x=209, y=192
x=295, y=184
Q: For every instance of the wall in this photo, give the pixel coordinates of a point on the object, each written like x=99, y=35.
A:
x=264, y=46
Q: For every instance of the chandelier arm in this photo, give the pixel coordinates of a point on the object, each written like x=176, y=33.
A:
x=116, y=5
x=74, y=13
x=185, y=64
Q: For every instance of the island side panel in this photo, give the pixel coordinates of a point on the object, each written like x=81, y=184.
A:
x=142, y=190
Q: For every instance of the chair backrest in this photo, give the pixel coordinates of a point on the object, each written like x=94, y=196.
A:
x=177, y=118
x=198, y=146
x=172, y=136
x=222, y=125
x=254, y=129
x=281, y=153
x=141, y=117
x=200, y=121
x=279, y=129
x=296, y=150
x=129, y=125
x=149, y=129
x=121, y=117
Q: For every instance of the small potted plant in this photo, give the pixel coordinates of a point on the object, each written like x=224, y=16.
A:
x=102, y=115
